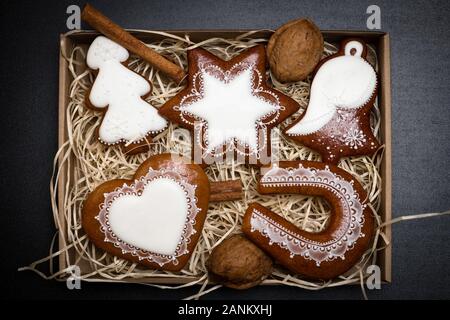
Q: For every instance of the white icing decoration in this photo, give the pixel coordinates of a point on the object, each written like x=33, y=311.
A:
x=228, y=106
x=346, y=81
x=343, y=238
x=128, y=118
x=355, y=46
x=153, y=218
x=354, y=138
x=152, y=221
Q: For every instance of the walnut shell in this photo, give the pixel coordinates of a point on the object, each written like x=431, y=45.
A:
x=294, y=50
x=238, y=263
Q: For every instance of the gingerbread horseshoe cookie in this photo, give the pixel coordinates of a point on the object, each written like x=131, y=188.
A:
x=119, y=93
x=228, y=106
x=337, y=120
x=154, y=219
x=323, y=255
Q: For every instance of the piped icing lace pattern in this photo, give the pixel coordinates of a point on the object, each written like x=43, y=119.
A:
x=343, y=239
x=226, y=76
x=136, y=189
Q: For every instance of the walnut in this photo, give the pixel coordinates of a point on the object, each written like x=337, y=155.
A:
x=238, y=263
x=294, y=50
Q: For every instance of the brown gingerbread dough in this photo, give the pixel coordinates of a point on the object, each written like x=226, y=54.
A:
x=98, y=206
x=345, y=101
x=119, y=93
x=129, y=149
x=202, y=65
x=324, y=255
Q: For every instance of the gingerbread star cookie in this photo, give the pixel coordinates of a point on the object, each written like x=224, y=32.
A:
x=337, y=120
x=229, y=107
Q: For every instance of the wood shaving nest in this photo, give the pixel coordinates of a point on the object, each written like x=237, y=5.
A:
x=89, y=163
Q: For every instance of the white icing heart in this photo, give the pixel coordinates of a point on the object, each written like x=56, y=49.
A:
x=154, y=220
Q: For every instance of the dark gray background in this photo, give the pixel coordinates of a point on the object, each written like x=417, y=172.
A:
x=420, y=114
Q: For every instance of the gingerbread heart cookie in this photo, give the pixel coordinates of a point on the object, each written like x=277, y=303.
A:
x=324, y=255
x=337, y=120
x=154, y=219
x=119, y=93
x=229, y=107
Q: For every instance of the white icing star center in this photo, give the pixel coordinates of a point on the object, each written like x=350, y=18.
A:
x=231, y=110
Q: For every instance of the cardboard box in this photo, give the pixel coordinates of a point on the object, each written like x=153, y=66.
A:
x=379, y=40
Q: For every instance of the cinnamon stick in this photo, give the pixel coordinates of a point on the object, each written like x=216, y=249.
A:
x=225, y=190
x=104, y=25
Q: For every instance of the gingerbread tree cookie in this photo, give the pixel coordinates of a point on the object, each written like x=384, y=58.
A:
x=118, y=92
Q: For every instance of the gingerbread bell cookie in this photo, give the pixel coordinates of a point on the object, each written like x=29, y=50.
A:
x=323, y=255
x=337, y=120
x=228, y=106
x=119, y=93
x=154, y=219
